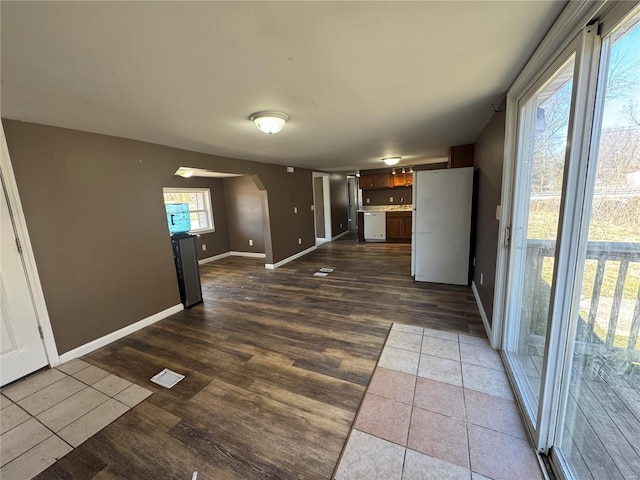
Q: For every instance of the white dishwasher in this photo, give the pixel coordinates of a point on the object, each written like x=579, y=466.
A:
x=375, y=226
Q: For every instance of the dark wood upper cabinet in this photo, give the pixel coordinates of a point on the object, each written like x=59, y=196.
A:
x=375, y=181
x=385, y=180
x=399, y=179
x=382, y=181
x=461, y=156
x=366, y=181
x=402, y=179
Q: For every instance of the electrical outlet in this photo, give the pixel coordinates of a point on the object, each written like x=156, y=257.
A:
x=312, y=208
x=481, y=278
x=204, y=247
x=390, y=199
x=295, y=209
x=368, y=200
x=251, y=243
x=299, y=241
x=340, y=225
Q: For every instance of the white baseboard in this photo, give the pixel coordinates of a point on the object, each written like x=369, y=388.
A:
x=271, y=266
x=118, y=334
x=340, y=235
x=214, y=258
x=248, y=254
x=483, y=314
x=229, y=254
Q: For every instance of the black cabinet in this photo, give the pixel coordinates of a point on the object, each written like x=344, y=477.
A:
x=186, y=258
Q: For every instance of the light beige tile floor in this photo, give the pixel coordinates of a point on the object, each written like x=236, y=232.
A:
x=45, y=416
x=445, y=411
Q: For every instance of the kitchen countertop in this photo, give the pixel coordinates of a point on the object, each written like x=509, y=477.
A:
x=387, y=208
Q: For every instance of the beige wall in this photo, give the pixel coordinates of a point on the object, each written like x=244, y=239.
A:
x=95, y=213
x=489, y=157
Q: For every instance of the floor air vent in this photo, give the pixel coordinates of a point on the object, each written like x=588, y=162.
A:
x=167, y=378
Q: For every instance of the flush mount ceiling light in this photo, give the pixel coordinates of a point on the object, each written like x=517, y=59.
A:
x=391, y=160
x=184, y=172
x=269, y=121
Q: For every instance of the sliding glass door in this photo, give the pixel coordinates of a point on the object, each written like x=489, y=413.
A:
x=599, y=432
x=544, y=125
x=571, y=338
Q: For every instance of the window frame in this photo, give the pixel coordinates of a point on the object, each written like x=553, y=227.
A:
x=208, y=210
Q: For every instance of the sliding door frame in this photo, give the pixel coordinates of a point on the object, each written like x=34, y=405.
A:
x=596, y=71
x=576, y=20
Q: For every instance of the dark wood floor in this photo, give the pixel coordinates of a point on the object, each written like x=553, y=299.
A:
x=276, y=364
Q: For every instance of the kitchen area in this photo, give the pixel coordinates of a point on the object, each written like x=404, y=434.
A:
x=386, y=205
x=427, y=206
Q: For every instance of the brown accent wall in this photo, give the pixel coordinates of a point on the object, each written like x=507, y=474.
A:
x=339, y=203
x=216, y=242
x=318, y=196
x=381, y=196
x=286, y=191
x=489, y=157
x=244, y=214
x=95, y=213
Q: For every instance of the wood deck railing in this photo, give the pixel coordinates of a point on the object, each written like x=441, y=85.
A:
x=602, y=252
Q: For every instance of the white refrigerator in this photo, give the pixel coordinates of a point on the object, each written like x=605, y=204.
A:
x=441, y=236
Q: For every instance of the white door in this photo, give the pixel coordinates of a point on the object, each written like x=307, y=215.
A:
x=22, y=350
x=443, y=225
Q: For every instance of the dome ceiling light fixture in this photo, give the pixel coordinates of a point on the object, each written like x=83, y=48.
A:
x=391, y=160
x=269, y=121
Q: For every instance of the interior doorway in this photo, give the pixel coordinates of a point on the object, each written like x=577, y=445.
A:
x=23, y=330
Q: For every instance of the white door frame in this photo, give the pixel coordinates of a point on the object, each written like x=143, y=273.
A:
x=31, y=269
x=327, y=206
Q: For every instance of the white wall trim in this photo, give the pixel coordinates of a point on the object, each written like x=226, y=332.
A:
x=28, y=257
x=202, y=261
x=118, y=334
x=339, y=235
x=272, y=266
x=483, y=314
x=248, y=254
x=229, y=254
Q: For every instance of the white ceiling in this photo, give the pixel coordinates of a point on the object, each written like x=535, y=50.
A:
x=360, y=80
